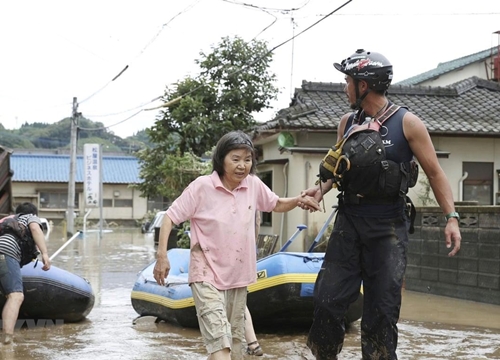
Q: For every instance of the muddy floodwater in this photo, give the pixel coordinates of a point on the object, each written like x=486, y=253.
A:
x=431, y=327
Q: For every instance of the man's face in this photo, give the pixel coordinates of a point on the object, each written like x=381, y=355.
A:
x=350, y=90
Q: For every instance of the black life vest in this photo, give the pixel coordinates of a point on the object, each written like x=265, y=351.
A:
x=361, y=167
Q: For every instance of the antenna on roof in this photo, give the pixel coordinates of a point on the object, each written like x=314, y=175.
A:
x=495, y=60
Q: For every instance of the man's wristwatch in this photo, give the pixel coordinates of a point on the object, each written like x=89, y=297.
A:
x=453, y=214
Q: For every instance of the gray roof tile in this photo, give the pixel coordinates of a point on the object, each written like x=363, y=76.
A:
x=468, y=107
x=449, y=66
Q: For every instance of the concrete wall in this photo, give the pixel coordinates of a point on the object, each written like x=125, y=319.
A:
x=473, y=274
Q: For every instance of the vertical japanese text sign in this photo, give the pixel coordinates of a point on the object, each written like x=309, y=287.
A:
x=91, y=166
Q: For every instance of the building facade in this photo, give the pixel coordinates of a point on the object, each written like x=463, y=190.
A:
x=43, y=179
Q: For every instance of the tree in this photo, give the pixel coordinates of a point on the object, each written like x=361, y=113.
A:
x=234, y=82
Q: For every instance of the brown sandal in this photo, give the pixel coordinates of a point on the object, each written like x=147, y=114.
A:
x=257, y=351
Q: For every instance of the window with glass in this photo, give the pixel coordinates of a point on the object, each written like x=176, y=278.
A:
x=55, y=200
x=123, y=203
x=158, y=203
x=107, y=202
x=266, y=218
x=478, y=185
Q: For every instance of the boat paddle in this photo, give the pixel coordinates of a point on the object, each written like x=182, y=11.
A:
x=323, y=229
x=64, y=245
x=295, y=234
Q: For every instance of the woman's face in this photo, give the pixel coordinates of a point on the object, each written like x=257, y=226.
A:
x=237, y=165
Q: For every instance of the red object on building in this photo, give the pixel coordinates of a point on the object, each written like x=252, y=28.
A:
x=496, y=68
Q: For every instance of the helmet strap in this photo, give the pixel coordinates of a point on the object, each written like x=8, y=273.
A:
x=359, y=99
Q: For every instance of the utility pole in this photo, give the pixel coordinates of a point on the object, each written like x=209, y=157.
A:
x=72, y=170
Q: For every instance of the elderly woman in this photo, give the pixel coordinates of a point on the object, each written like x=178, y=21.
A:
x=221, y=208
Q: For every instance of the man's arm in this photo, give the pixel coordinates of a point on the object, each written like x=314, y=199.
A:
x=39, y=238
x=420, y=143
x=319, y=190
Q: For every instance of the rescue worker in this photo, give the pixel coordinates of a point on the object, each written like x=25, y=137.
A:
x=369, y=241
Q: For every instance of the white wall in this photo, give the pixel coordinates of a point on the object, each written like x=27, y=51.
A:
x=477, y=69
x=25, y=191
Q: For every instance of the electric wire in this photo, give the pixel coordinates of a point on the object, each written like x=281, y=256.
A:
x=404, y=14
x=108, y=126
x=292, y=58
x=177, y=99
x=267, y=8
x=268, y=26
x=189, y=7
x=124, y=111
x=122, y=121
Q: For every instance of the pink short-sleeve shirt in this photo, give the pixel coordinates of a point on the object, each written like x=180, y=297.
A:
x=222, y=228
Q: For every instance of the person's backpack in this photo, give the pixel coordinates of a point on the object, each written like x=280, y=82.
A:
x=11, y=225
x=358, y=163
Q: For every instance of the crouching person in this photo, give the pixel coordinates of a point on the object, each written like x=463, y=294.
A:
x=11, y=282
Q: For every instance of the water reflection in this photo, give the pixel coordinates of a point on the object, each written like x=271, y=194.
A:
x=431, y=327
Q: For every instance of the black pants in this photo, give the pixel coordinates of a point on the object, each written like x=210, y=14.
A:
x=368, y=251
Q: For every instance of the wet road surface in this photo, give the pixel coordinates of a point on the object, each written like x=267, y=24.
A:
x=431, y=327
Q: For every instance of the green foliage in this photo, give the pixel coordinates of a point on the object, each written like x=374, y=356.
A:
x=57, y=136
x=323, y=241
x=183, y=239
x=240, y=72
x=147, y=218
x=107, y=145
x=424, y=195
x=168, y=174
x=14, y=141
x=233, y=83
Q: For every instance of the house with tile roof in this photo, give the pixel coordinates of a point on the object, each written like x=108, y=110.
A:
x=483, y=64
x=463, y=120
x=42, y=178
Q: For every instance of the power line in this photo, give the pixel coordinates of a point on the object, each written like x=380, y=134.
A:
x=268, y=26
x=293, y=57
x=107, y=127
x=177, y=99
x=267, y=8
x=406, y=14
x=124, y=111
x=141, y=52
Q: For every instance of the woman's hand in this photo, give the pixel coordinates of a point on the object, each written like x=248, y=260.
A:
x=308, y=202
x=313, y=193
x=161, y=270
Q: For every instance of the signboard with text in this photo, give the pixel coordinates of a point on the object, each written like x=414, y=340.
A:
x=92, y=174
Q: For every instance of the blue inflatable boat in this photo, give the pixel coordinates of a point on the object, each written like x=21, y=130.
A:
x=55, y=294
x=282, y=294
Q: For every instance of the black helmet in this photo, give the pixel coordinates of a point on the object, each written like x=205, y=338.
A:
x=372, y=67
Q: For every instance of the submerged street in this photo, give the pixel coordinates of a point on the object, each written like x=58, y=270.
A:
x=431, y=327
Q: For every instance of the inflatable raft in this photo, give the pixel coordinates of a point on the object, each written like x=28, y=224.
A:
x=55, y=294
x=282, y=294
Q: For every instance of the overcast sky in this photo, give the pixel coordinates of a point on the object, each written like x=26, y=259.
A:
x=52, y=51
